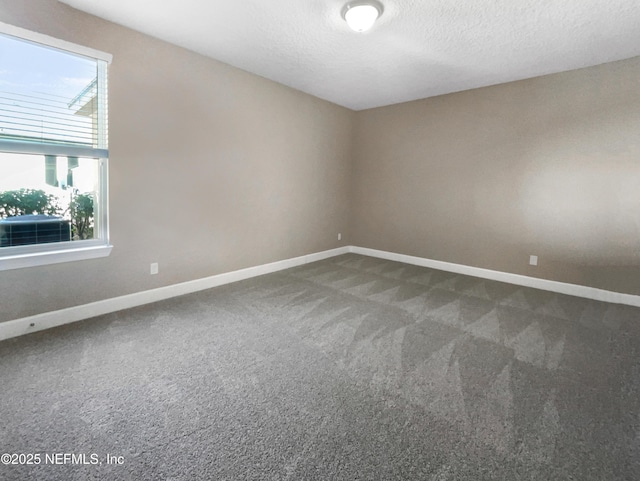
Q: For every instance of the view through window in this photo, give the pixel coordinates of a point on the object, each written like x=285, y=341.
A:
x=53, y=147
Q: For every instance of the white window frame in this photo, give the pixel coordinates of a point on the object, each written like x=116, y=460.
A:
x=52, y=253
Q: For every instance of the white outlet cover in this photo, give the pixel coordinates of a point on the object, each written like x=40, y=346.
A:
x=533, y=260
x=154, y=268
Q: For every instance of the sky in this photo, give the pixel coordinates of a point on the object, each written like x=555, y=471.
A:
x=41, y=81
x=30, y=67
x=28, y=172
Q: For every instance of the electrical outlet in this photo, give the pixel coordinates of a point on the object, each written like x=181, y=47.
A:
x=533, y=260
x=154, y=268
x=339, y=236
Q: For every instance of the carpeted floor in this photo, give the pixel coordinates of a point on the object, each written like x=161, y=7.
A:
x=352, y=368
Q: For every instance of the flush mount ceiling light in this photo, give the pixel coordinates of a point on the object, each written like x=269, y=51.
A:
x=361, y=16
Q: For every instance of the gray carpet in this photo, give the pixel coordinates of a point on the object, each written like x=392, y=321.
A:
x=352, y=368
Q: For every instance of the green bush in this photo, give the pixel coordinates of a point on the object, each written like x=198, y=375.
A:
x=28, y=201
x=34, y=201
x=81, y=211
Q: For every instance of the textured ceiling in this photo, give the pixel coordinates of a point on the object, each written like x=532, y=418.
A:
x=417, y=49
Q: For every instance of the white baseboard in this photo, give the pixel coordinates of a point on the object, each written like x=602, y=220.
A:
x=520, y=280
x=48, y=320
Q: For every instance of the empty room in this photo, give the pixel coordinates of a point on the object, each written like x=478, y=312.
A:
x=319, y=240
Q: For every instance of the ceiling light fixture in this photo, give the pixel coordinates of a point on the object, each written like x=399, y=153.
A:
x=361, y=16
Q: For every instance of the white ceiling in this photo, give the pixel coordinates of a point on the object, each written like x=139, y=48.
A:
x=417, y=49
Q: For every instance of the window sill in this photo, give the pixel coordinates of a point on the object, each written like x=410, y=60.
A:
x=53, y=257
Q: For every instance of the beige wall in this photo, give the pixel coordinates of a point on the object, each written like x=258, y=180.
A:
x=548, y=166
x=211, y=169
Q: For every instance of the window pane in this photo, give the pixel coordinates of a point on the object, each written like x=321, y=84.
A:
x=47, y=95
x=44, y=199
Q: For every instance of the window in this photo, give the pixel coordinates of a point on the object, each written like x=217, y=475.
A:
x=53, y=150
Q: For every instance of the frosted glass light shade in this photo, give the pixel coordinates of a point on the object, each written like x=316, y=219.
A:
x=361, y=16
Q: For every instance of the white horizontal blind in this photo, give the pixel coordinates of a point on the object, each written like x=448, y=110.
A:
x=52, y=101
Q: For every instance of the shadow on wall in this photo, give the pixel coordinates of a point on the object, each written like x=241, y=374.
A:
x=581, y=190
x=565, y=182
x=591, y=215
